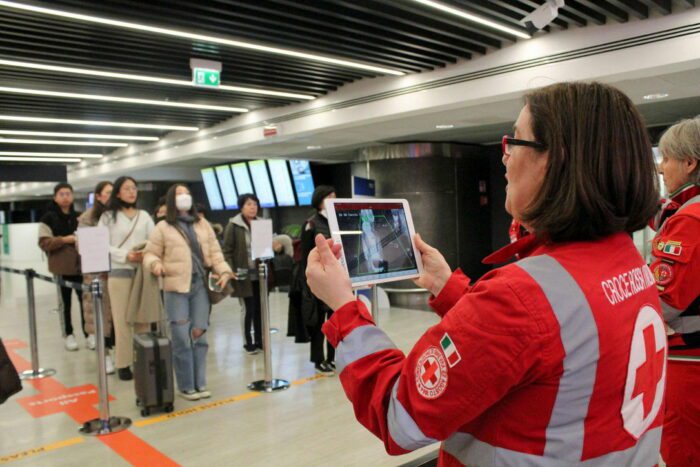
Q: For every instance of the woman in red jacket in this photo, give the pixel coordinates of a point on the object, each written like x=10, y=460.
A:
x=557, y=359
x=676, y=267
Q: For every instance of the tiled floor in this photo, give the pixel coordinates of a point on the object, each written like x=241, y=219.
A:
x=312, y=423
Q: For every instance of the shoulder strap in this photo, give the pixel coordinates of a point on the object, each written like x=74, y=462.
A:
x=133, y=227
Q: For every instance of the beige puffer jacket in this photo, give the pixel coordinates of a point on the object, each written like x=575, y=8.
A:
x=167, y=245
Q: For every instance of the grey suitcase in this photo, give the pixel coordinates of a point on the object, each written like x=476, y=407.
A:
x=153, y=373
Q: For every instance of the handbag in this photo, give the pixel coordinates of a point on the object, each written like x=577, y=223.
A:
x=215, y=295
x=10, y=383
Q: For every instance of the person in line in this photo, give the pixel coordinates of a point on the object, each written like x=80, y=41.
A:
x=676, y=267
x=182, y=250
x=313, y=310
x=128, y=227
x=57, y=228
x=247, y=285
x=160, y=210
x=90, y=218
x=556, y=359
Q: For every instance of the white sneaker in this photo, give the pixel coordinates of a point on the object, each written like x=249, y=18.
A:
x=109, y=364
x=191, y=395
x=70, y=343
x=90, y=342
x=204, y=393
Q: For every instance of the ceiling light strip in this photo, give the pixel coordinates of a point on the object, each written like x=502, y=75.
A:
x=148, y=79
x=60, y=143
x=470, y=17
x=67, y=121
x=50, y=154
x=200, y=37
x=124, y=100
x=78, y=135
x=37, y=159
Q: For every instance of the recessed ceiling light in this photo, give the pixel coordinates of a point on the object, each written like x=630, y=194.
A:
x=200, y=37
x=469, y=17
x=125, y=100
x=37, y=159
x=651, y=97
x=77, y=135
x=60, y=143
x=50, y=154
x=66, y=121
x=444, y=126
x=311, y=148
x=149, y=79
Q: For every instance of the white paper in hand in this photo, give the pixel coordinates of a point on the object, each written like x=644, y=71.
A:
x=93, y=246
x=261, y=239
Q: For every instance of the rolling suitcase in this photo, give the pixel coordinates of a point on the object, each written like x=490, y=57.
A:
x=153, y=373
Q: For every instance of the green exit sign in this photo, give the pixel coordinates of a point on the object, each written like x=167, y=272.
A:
x=208, y=78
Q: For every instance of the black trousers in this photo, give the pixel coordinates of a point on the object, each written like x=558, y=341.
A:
x=317, y=338
x=253, y=316
x=65, y=297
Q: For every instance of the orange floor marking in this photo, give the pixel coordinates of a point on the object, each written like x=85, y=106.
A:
x=79, y=404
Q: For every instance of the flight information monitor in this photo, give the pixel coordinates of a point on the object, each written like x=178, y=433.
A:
x=242, y=178
x=228, y=189
x=377, y=239
x=303, y=181
x=213, y=193
x=281, y=182
x=261, y=182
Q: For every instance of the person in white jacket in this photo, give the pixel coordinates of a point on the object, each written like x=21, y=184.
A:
x=128, y=227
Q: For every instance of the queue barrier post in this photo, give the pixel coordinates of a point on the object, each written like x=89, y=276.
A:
x=105, y=424
x=36, y=372
x=269, y=384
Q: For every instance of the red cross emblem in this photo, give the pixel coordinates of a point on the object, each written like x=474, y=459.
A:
x=430, y=367
x=646, y=372
x=431, y=373
x=649, y=374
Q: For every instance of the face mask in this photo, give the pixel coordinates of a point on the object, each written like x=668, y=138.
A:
x=126, y=205
x=183, y=202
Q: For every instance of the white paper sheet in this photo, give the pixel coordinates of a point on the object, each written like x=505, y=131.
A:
x=93, y=246
x=261, y=239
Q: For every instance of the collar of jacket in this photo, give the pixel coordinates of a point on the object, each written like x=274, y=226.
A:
x=682, y=195
x=522, y=248
x=238, y=220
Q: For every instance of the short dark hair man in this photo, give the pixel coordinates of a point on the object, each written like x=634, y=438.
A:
x=57, y=239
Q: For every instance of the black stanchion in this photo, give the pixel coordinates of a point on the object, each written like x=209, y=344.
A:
x=268, y=384
x=35, y=372
x=105, y=424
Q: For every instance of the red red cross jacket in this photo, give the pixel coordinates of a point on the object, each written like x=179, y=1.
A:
x=676, y=267
x=556, y=359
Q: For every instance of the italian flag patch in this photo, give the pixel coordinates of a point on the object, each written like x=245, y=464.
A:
x=673, y=248
x=451, y=352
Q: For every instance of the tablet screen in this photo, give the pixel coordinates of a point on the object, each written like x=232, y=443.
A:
x=376, y=240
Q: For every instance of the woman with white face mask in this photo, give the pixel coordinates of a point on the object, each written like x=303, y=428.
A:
x=182, y=250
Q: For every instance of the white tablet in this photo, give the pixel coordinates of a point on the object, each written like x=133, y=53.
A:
x=377, y=238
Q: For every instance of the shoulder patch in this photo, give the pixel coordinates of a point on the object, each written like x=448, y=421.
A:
x=663, y=273
x=431, y=374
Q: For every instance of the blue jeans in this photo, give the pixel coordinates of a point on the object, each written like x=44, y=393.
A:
x=186, y=312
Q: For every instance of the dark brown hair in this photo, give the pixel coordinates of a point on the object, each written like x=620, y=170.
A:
x=601, y=178
x=172, y=212
x=98, y=208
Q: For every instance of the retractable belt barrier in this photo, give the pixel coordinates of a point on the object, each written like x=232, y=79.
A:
x=268, y=384
x=105, y=424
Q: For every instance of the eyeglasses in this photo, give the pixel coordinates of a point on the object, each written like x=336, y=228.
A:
x=507, y=143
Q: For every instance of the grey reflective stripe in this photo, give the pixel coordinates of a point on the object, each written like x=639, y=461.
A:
x=402, y=429
x=671, y=314
x=693, y=200
x=687, y=324
x=362, y=341
x=579, y=336
x=474, y=453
